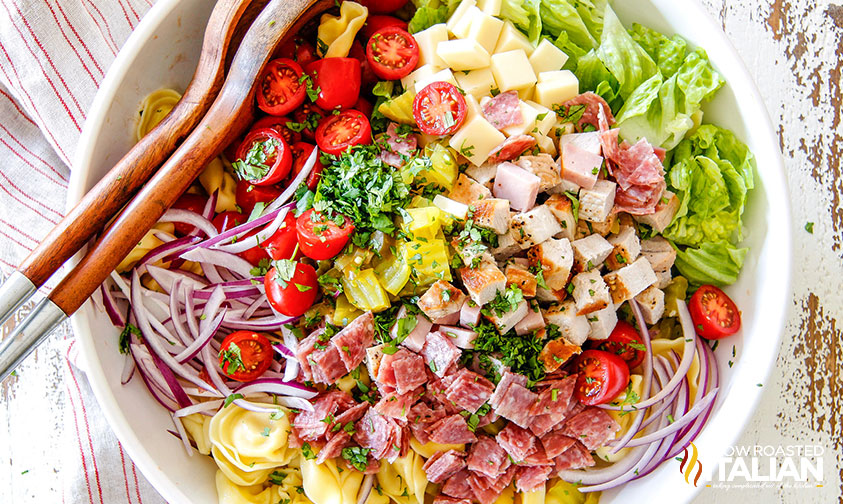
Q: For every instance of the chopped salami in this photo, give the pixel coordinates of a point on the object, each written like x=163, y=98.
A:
x=515, y=405
x=556, y=444
x=421, y=417
x=593, y=104
x=399, y=441
x=529, y=478
x=517, y=442
x=511, y=148
x=334, y=447
x=451, y=430
x=575, y=457
x=391, y=158
x=542, y=424
x=592, y=427
x=306, y=347
x=327, y=365
x=555, y=396
x=374, y=431
x=353, y=340
x=503, y=110
x=386, y=370
x=487, y=457
x=487, y=490
x=440, y=353
x=312, y=425
x=469, y=390
x=401, y=143
x=352, y=414
x=398, y=405
x=507, y=379
x=538, y=457
x=443, y=465
x=409, y=372
x=574, y=407
x=442, y=499
x=458, y=486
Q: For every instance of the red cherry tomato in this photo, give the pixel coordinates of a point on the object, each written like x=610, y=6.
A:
x=392, y=53
x=364, y=106
x=294, y=296
x=336, y=133
x=625, y=342
x=248, y=195
x=321, y=238
x=282, y=244
x=602, y=376
x=192, y=202
x=279, y=124
x=298, y=50
x=245, y=355
x=230, y=219
x=375, y=23
x=267, y=144
x=714, y=313
x=301, y=152
x=337, y=80
x=280, y=89
x=308, y=115
x=367, y=75
x=383, y=6
x=439, y=109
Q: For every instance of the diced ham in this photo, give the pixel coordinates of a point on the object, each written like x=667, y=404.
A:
x=517, y=442
x=353, y=340
x=533, y=321
x=503, y=110
x=530, y=478
x=580, y=166
x=458, y=486
x=440, y=353
x=575, y=457
x=415, y=340
x=487, y=457
x=374, y=431
x=420, y=418
x=593, y=103
x=397, y=405
x=443, y=465
x=469, y=390
x=460, y=337
x=516, y=185
x=515, y=405
x=469, y=315
x=451, y=430
x=556, y=443
x=511, y=148
x=592, y=427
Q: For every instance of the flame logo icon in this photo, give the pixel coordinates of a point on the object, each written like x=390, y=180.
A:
x=691, y=463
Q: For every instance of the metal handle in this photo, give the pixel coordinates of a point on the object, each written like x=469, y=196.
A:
x=28, y=335
x=13, y=293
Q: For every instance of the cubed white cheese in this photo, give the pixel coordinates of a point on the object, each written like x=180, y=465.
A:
x=512, y=70
x=528, y=123
x=485, y=29
x=472, y=107
x=427, y=40
x=449, y=206
x=596, y=203
x=477, y=83
x=491, y=7
x=463, y=54
x=545, y=143
x=590, y=292
x=651, y=301
x=629, y=281
x=476, y=140
x=462, y=9
x=420, y=73
x=602, y=323
x=441, y=76
x=574, y=328
x=591, y=251
x=461, y=27
x=545, y=120
x=562, y=87
x=511, y=38
x=526, y=94
x=547, y=57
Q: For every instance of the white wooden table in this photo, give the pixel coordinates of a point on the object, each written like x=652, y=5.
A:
x=794, y=49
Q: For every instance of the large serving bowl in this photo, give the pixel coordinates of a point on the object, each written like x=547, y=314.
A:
x=163, y=51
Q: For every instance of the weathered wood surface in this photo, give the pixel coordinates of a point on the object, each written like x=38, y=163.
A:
x=794, y=50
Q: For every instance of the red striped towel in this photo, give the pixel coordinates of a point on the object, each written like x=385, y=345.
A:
x=53, y=56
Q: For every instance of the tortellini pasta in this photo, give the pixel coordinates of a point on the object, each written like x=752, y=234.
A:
x=536, y=496
x=507, y=496
x=154, y=109
x=198, y=427
x=328, y=484
x=216, y=178
x=404, y=481
x=429, y=449
x=249, y=445
x=287, y=486
x=337, y=33
x=562, y=492
x=231, y=493
x=623, y=419
x=664, y=346
x=147, y=243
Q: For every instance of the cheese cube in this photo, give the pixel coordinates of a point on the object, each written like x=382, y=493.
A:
x=463, y=54
x=491, y=7
x=512, y=70
x=476, y=140
x=511, y=39
x=477, y=83
x=552, y=75
x=458, y=14
x=527, y=125
x=559, y=88
x=545, y=120
x=547, y=57
x=461, y=27
x=486, y=30
x=527, y=93
x=422, y=72
x=440, y=76
x=545, y=143
x=427, y=41
x=450, y=206
x=472, y=107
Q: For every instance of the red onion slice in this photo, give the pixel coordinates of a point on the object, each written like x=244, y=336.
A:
x=199, y=408
x=188, y=217
x=366, y=486
x=253, y=241
x=204, y=338
x=231, y=262
x=166, y=277
x=294, y=184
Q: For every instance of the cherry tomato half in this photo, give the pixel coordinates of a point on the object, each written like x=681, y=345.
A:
x=279, y=124
x=375, y=23
x=383, y=6
x=230, y=219
x=280, y=89
x=294, y=296
x=321, y=238
x=392, y=53
x=624, y=342
x=298, y=50
x=308, y=116
x=282, y=244
x=263, y=157
x=336, y=133
x=714, y=313
x=245, y=355
x=439, y=108
x=337, y=81
x=247, y=195
x=301, y=152
x=192, y=202
x=367, y=76
x=602, y=376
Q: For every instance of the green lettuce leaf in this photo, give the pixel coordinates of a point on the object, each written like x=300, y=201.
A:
x=431, y=12
x=668, y=53
x=593, y=75
x=716, y=263
x=623, y=57
x=525, y=15
x=559, y=16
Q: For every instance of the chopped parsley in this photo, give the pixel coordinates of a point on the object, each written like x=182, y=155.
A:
x=125, y=338
x=230, y=399
x=520, y=354
x=307, y=451
x=231, y=359
x=809, y=227
x=505, y=301
x=356, y=457
x=254, y=167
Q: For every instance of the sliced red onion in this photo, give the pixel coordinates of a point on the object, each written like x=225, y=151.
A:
x=237, y=232
x=190, y=312
x=110, y=305
x=255, y=306
x=368, y=480
x=209, y=210
x=166, y=251
x=204, y=338
x=278, y=387
x=173, y=384
x=165, y=278
x=678, y=423
x=175, y=311
x=283, y=350
x=291, y=369
x=271, y=323
x=294, y=184
x=230, y=293
x=199, y=408
x=128, y=369
x=231, y=262
x=163, y=235
x=121, y=284
x=188, y=217
x=182, y=434
x=143, y=362
x=294, y=402
x=245, y=244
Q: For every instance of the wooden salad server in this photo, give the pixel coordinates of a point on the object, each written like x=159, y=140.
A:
x=229, y=115
x=229, y=19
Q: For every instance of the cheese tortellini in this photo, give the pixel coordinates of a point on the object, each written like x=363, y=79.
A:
x=154, y=109
x=429, y=449
x=562, y=492
x=404, y=481
x=337, y=33
x=284, y=486
x=147, y=243
x=216, y=178
x=198, y=427
x=249, y=445
x=536, y=496
x=328, y=484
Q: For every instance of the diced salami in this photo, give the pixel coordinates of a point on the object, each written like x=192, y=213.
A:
x=593, y=103
x=538, y=457
x=440, y=353
x=542, y=424
x=443, y=499
x=398, y=405
x=575, y=457
x=398, y=441
x=391, y=158
x=443, y=465
x=409, y=373
x=451, y=430
x=487, y=490
x=517, y=442
x=386, y=370
x=306, y=347
x=401, y=143
x=574, y=407
x=327, y=365
x=506, y=380
x=374, y=431
x=312, y=425
x=556, y=444
x=516, y=404
x=530, y=478
x=511, y=148
x=334, y=447
x=469, y=390
x=487, y=457
x=421, y=417
x=554, y=398
x=592, y=427
x=353, y=340
x=503, y=110
x=458, y=486
x=352, y=414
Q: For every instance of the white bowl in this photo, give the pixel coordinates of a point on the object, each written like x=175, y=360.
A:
x=163, y=51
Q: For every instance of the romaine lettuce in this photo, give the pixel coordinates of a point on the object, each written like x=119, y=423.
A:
x=716, y=263
x=668, y=53
x=431, y=12
x=622, y=56
x=525, y=15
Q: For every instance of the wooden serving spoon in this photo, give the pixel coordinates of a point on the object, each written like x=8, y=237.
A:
x=229, y=115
